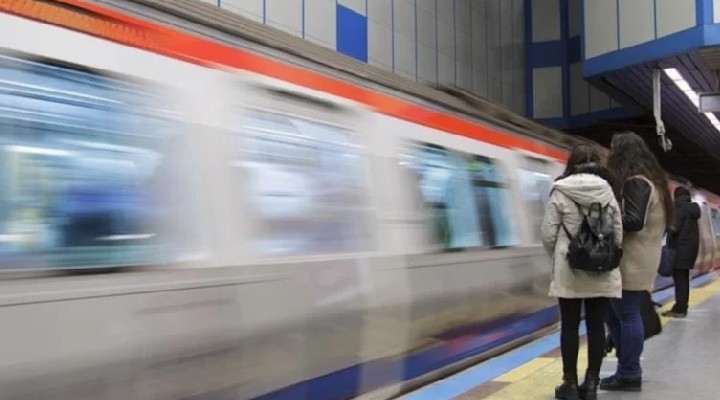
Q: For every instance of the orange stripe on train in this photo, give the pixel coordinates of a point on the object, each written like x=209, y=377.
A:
x=121, y=28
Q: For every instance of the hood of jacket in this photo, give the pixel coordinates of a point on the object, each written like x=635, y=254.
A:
x=585, y=189
x=684, y=205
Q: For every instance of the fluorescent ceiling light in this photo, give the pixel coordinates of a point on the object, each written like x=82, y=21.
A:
x=692, y=95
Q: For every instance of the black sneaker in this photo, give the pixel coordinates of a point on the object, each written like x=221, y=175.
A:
x=616, y=384
x=674, y=314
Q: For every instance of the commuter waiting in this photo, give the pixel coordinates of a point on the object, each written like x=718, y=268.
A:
x=582, y=190
x=685, y=240
x=647, y=214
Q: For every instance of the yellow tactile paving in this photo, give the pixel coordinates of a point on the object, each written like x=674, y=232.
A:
x=536, y=380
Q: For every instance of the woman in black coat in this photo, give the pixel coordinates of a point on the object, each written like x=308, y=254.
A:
x=686, y=241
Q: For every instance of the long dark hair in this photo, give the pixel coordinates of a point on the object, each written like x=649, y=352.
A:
x=630, y=156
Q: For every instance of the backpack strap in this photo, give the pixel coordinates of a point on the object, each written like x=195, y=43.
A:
x=580, y=212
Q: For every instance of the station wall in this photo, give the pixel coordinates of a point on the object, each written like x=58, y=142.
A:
x=478, y=45
x=611, y=25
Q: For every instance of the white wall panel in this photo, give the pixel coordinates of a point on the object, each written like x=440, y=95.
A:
x=518, y=78
x=716, y=11
x=285, y=15
x=637, y=23
x=479, y=53
x=426, y=24
x=495, y=72
x=446, y=71
x=506, y=51
x=404, y=15
x=546, y=20
x=427, y=38
x=601, y=34
x=446, y=42
x=380, y=11
x=547, y=92
x=356, y=5
x=427, y=64
x=252, y=9
x=674, y=16
x=320, y=24
x=462, y=15
x=463, y=47
x=494, y=89
x=405, y=56
x=464, y=76
x=464, y=39
x=380, y=45
x=579, y=91
x=405, y=45
x=599, y=101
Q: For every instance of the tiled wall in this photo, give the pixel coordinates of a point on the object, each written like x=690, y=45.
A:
x=612, y=25
x=474, y=44
x=559, y=95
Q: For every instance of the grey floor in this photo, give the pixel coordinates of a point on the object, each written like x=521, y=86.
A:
x=683, y=363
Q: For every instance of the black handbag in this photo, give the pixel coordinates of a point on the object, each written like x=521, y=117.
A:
x=667, y=262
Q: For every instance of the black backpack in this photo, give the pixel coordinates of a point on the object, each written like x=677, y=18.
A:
x=593, y=248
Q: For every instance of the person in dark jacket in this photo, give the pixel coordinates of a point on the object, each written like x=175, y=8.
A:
x=685, y=239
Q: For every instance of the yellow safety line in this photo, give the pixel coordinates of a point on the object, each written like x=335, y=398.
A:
x=536, y=379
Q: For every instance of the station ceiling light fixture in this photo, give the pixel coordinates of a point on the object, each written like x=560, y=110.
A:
x=691, y=94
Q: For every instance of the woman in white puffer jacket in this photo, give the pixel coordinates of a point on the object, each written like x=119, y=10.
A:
x=584, y=182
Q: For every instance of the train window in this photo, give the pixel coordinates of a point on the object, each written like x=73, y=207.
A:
x=307, y=183
x=491, y=198
x=80, y=155
x=715, y=215
x=447, y=192
x=535, y=188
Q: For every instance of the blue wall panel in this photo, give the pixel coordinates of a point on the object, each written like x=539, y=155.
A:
x=352, y=33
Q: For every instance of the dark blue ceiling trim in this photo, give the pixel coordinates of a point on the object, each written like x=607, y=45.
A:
x=529, y=92
x=574, y=48
x=546, y=54
x=565, y=66
x=588, y=119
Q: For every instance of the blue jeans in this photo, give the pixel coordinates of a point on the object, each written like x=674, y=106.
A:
x=626, y=328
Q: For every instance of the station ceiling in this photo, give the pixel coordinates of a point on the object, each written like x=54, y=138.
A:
x=696, y=142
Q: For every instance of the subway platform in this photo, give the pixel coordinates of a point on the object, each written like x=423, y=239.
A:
x=679, y=364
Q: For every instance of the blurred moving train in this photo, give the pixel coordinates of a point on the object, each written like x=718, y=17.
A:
x=253, y=227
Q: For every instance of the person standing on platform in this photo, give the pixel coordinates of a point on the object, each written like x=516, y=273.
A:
x=585, y=182
x=685, y=239
x=647, y=214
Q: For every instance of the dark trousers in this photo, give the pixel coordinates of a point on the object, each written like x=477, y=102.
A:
x=570, y=312
x=682, y=290
x=625, y=323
